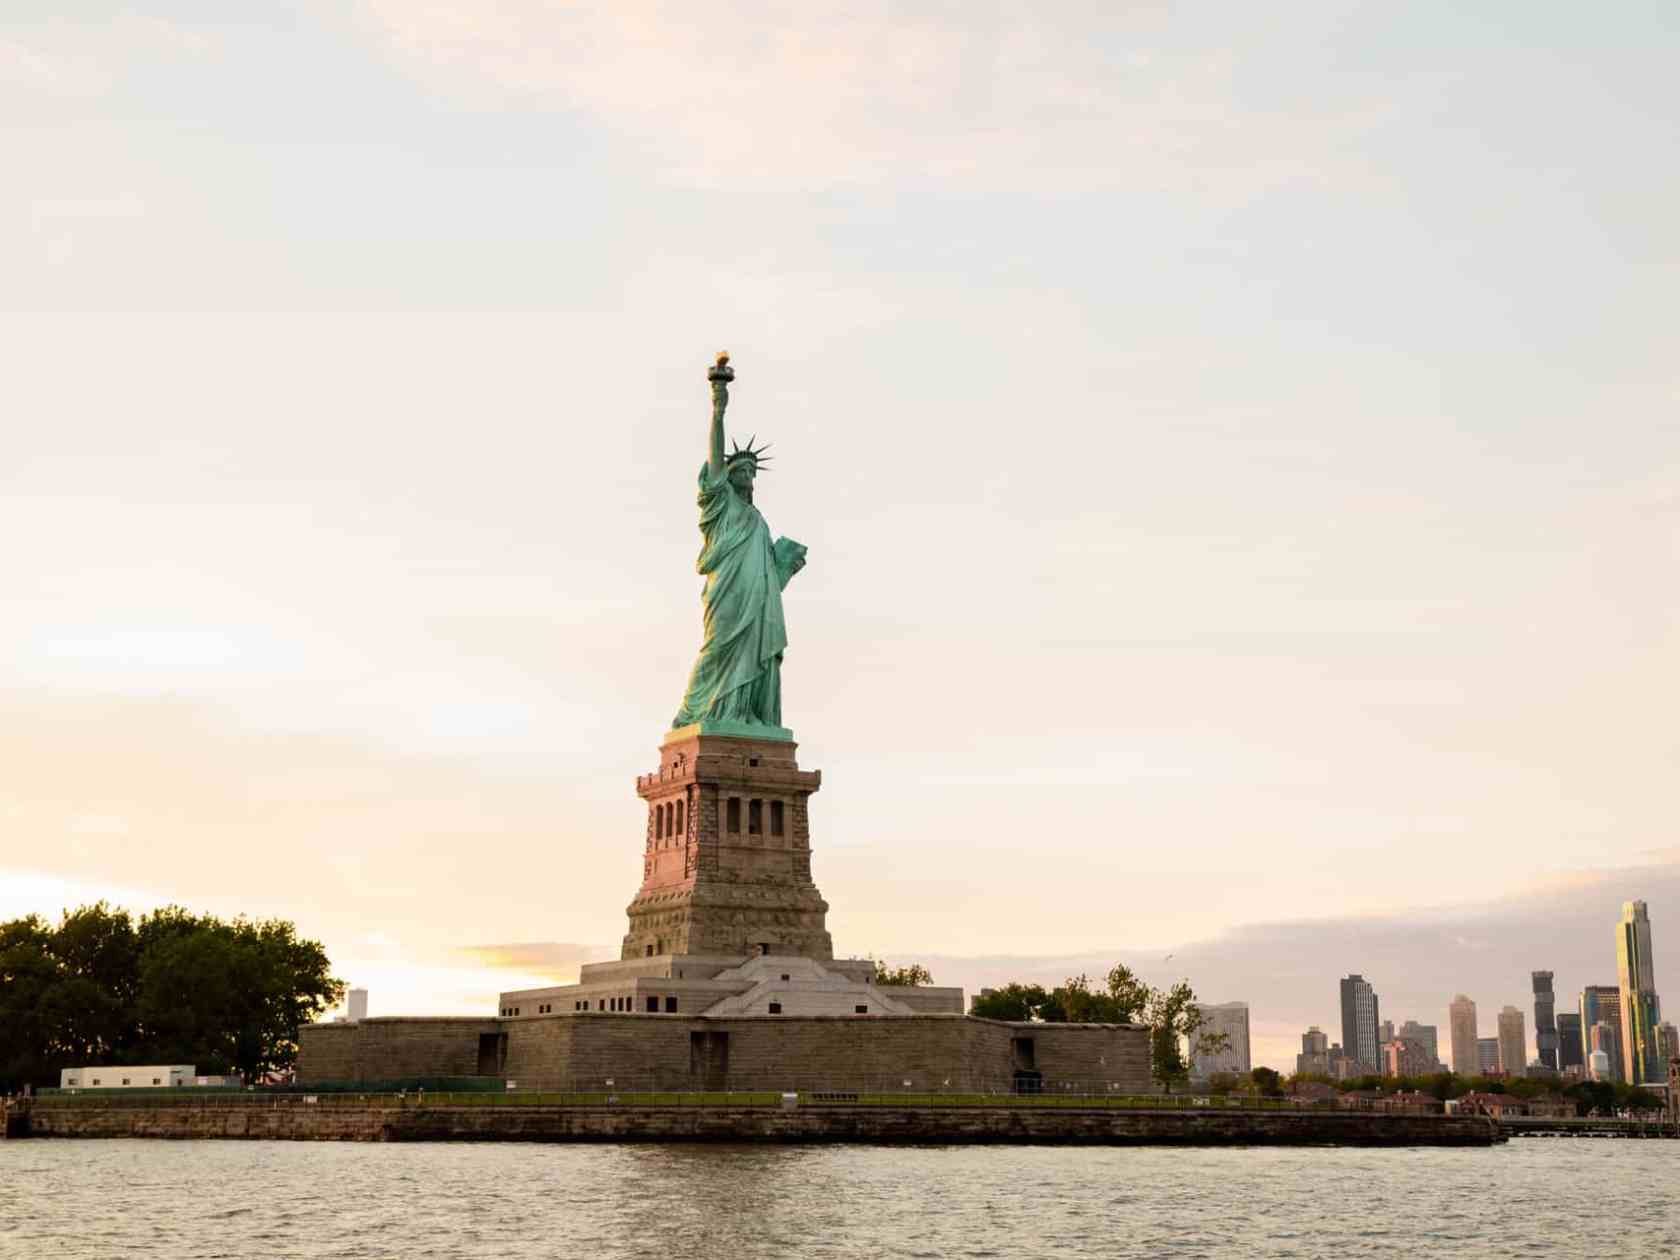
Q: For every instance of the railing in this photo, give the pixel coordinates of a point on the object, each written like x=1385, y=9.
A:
x=653, y=1097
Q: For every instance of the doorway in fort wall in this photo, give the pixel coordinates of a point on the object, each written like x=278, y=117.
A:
x=708, y=1060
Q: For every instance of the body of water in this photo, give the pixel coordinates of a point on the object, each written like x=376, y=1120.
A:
x=80, y=1200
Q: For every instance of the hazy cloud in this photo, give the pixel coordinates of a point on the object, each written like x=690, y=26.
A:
x=805, y=96
x=558, y=957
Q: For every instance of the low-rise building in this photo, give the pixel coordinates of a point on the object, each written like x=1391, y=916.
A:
x=167, y=1076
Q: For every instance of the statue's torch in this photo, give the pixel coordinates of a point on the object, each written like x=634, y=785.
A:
x=720, y=374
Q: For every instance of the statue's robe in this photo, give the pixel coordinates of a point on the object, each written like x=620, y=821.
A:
x=738, y=675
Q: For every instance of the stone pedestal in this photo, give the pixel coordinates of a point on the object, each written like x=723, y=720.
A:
x=727, y=866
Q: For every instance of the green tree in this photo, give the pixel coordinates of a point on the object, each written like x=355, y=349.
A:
x=1267, y=1082
x=1018, y=1003
x=174, y=987
x=1175, y=1024
x=909, y=976
x=1592, y=1098
x=28, y=981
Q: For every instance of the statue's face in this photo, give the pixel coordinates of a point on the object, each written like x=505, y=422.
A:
x=741, y=474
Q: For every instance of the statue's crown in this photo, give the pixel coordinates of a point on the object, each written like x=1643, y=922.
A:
x=749, y=451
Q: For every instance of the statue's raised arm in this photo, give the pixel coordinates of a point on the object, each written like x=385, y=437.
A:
x=720, y=376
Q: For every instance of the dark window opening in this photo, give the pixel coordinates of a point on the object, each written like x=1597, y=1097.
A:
x=658, y=823
x=752, y=761
x=764, y=948
x=776, y=820
x=1021, y=1049
x=671, y=820
x=653, y=1005
x=775, y=1008
x=670, y=1005
x=861, y=1009
x=680, y=829
x=755, y=817
x=650, y=951
x=734, y=814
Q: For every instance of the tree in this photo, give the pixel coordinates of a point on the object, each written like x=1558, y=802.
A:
x=1592, y=1098
x=28, y=975
x=1267, y=1082
x=1175, y=1023
x=909, y=976
x=174, y=988
x=1017, y=1003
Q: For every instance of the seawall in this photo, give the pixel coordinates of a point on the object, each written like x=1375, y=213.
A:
x=409, y=1120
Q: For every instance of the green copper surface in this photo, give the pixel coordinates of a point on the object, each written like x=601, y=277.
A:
x=722, y=726
x=736, y=681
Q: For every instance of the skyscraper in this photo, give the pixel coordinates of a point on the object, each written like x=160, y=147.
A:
x=1315, y=1053
x=1487, y=1055
x=1668, y=1042
x=1230, y=1018
x=1569, y=1041
x=1425, y=1035
x=1359, y=1023
x=1513, y=1044
x=1602, y=1004
x=1641, y=1012
x=1545, y=1026
x=1461, y=1016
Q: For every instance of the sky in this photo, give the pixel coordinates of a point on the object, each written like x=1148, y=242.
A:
x=1236, y=447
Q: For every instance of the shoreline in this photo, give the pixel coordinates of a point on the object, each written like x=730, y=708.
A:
x=400, y=1119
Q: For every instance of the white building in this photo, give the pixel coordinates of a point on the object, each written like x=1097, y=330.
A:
x=128, y=1077
x=357, y=1002
x=1230, y=1018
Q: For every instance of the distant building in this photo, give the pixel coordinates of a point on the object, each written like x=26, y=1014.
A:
x=1461, y=1018
x=356, y=1001
x=1231, y=1019
x=1314, y=1058
x=1602, y=1004
x=166, y=1076
x=1569, y=1041
x=1598, y=1065
x=1607, y=1037
x=1545, y=1024
x=1427, y=1036
x=1513, y=1044
x=1385, y=1032
x=1668, y=1043
x=1406, y=1058
x=1359, y=1023
x=1342, y=1066
x=1487, y=1056
x=1641, y=1012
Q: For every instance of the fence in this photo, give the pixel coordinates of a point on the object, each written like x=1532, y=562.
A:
x=629, y=1097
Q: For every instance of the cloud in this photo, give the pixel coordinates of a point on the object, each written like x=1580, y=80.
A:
x=61, y=59
x=543, y=957
x=746, y=95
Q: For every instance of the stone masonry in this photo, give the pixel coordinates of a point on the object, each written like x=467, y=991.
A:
x=727, y=864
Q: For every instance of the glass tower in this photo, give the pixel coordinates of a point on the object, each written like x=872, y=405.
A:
x=1545, y=1026
x=1641, y=1013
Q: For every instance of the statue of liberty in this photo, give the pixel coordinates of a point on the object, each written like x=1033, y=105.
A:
x=736, y=684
